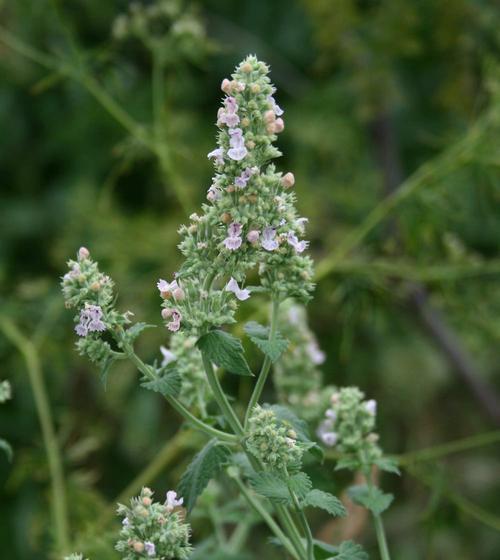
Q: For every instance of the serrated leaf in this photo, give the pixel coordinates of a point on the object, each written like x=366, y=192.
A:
x=371, y=498
x=349, y=463
x=5, y=446
x=135, y=330
x=284, y=414
x=325, y=501
x=259, y=335
x=205, y=466
x=350, y=550
x=225, y=351
x=167, y=385
x=300, y=484
x=387, y=464
x=272, y=486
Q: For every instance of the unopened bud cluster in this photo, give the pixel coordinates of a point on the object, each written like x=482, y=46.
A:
x=195, y=391
x=153, y=530
x=272, y=441
x=349, y=425
x=297, y=376
x=250, y=218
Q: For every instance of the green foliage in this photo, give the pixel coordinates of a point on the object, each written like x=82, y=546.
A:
x=205, y=466
x=224, y=350
x=324, y=500
x=349, y=550
x=168, y=383
x=370, y=497
x=271, y=485
x=259, y=335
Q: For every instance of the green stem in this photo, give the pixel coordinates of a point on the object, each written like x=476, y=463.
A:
x=179, y=407
x=266, y=366
x=59, y=506
x=382, y=541
x=220, y=397
x=303, y=521
x=259, y=509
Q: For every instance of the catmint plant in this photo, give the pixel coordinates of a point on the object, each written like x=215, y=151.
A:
x=247, y=241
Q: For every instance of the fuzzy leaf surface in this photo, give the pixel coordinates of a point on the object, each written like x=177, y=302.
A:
x=325, y=501
x=271, y=485
x=224, y=350
x=168, y=384
x=259, y=335
x=205, y=466
x=371, y=498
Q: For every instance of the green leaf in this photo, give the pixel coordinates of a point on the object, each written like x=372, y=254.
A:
x=350, y=550
x=371, y=498
x=205, y=466
x=5, y=446
x=300, y=484
x=135, y=330
x=387, y=464
x=224, y=350
x=271, y=485
x=168, y=384
x=259, y=335
x=349, y=463
x=326, y=501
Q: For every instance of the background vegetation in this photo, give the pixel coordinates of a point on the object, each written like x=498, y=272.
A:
x=393, y=126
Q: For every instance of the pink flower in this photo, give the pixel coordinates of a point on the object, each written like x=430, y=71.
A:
x=299, y=246
x=163, y=286
x=315, y=353
x=242, y=180
x=150, y=548
x=269, y=242
x=241, y=293
x=175, y=316
x=237, y=150
x=253, y=236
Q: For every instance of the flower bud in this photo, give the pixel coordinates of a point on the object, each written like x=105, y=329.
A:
x=253, y=236
x=226, y=86
x=230, y=188
x=246, y=67
x=138, y=546
x=179, y=294
x=245, y=121
x=226, y=218
x=269, y=116
x=250, y=144
x=95, y=286
x=279, y=126
x=255, y=88
x=166, y=313
x=288, y=180
x=147, y=501
x=83, y=253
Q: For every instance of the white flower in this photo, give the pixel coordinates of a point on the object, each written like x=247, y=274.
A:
x=168, y=356
x=269, y=242
x=241, y=293
x=165, y=287
x=172, y=501
x=371, y=407
x=315, y=353
x=299, y=246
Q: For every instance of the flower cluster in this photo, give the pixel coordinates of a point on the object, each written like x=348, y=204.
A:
x=250, y=220
x=74, y=556
x=153, y=530
x=195, y=391
x=272, y=441
x=349, y=425
x=90, y=292
x=297, y=377
x=5, y=391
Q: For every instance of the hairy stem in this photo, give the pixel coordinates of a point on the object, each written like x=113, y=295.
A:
x=180, y=408
x=258, y=508
x=266, y=366
x=382, y=541
x=220, y=397
x=59, y=506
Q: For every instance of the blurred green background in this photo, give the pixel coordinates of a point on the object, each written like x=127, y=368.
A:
x=392, y=114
